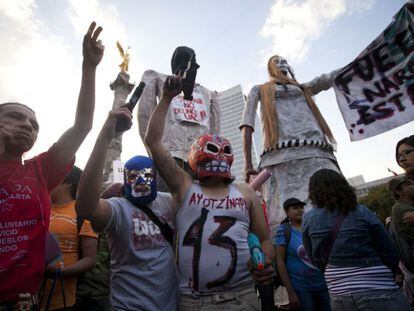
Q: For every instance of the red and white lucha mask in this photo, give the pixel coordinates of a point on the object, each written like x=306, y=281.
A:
x=211, y=155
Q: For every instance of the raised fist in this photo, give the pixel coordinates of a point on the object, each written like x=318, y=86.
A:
x=172, y=86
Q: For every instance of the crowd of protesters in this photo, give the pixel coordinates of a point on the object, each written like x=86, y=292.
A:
x=186, y=249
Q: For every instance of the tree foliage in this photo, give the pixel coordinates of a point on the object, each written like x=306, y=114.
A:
x=379, y=200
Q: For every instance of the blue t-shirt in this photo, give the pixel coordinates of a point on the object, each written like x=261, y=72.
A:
x=303, y=275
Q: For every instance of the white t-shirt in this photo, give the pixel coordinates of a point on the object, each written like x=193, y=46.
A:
x=143, y=271
x=213, y=249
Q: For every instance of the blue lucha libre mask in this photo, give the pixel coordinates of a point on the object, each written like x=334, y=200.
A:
x=140, y=185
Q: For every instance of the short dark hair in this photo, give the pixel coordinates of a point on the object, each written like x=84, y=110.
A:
x=329, y=189
x=2, y=105
x=72, y=179
x=409, y=140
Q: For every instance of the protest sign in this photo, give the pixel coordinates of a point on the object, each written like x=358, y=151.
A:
x=375, y=92
x=193, y=111
x=118, y=171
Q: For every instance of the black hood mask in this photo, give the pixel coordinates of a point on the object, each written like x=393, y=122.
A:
x=183, y=63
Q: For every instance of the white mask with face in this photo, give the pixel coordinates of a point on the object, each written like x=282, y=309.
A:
x=282, y=64
x=284, y=67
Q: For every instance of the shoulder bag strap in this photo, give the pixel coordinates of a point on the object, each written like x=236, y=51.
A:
x=58, y=275
x=165, y=229
x=329, y=245
x=288, y=233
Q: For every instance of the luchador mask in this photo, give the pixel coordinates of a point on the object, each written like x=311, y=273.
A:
x=140, y=185
x=183, y=63
x=211, y=155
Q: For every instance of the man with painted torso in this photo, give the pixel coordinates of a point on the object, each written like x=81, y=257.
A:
x=213, y=220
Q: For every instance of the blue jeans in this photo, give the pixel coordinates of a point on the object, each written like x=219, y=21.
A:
x=375, y=300
x=315, y=300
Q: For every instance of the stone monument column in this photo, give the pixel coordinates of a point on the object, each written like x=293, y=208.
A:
x=121, y=87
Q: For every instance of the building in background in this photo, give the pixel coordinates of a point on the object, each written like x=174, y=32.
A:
x=232, y=103
x=356, y=181
x=362, y=188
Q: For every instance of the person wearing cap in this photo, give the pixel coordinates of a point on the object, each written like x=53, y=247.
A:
x=305, y=284
x=192, y=113
x=403, y=190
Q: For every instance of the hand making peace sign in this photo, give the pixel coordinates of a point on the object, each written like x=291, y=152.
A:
x=92, y=47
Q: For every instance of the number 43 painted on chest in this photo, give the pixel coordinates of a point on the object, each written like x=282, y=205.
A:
x=193, y=237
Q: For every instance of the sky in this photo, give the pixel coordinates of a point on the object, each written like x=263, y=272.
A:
x=41, y=56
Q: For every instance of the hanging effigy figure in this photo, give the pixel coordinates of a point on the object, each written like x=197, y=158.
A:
x=191, y=114
x=297, y=141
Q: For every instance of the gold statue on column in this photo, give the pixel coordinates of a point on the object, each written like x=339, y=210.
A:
x=125, y=57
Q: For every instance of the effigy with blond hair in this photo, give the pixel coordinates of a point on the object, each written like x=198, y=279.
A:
x=297, y=141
